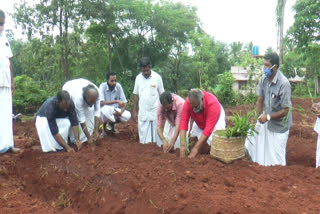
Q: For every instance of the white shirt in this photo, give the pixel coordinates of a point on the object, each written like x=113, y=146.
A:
x=5, y=55
x=116, y=94
x=149, y=91
x=74, y=87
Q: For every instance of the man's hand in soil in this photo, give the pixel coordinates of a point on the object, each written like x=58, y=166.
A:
x=183, y=151
x=95, y=136
x=170, y=147
x=194, y=152
x=90, y=140
x=70, y=149
x=79, y=145
x=263, y=118
x=165, y=145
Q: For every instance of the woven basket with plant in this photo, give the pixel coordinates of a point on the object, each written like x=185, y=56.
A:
x=228, y=145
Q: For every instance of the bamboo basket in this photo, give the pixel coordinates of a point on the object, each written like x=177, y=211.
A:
x=227, y=149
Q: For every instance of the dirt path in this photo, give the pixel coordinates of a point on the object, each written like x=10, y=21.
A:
x=120, y=175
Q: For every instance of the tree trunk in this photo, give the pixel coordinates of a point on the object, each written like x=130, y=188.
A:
x=109, y=52
x=119, y=57
x=281, y=33
x=280, y=22
x=62, y=40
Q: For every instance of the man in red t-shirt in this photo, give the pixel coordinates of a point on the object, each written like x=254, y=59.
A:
x=208, y=115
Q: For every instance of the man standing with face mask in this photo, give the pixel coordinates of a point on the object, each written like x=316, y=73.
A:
x=6, y=91
x=147, y=89
x=208, y=115
x=268, y=146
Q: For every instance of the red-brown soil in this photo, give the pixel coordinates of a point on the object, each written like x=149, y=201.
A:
x=119, y=175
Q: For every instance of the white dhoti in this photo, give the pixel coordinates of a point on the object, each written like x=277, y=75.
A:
x=6, y=130
x=90, y=122
x=168, y=133
x=47, y=141
x=107, y=114
x=267, y=148
x=148, y=132
x=221, y=124
x=317, y=129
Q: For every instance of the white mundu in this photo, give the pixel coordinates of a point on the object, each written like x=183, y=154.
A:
x=6, y=131
x=107, y=111
x=85, y=113
x=47, y=141
x=148, y=91
x=221, y=124
x=107, y=114
x=263, y=150
x=317, y=129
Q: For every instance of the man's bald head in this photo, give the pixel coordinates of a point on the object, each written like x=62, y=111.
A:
x=90, y=94
x=196, y=100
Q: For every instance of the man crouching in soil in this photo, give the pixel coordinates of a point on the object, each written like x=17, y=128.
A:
x=208, y=115
x=53, y=122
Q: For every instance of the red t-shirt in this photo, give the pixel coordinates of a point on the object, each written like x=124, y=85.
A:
x=207, y=118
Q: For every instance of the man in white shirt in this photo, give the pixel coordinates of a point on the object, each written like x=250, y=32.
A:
x=147, y=89
x=113, y=103
x=6, y=91
x=85, y=96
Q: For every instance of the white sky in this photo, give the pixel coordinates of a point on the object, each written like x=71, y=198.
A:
x=225, y=20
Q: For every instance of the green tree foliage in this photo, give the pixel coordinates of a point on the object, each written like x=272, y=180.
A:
x=304, y=34
x=28, y=95
x=223, y=90
x=69, y=39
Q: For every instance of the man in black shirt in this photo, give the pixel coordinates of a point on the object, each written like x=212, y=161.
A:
x=53, y=121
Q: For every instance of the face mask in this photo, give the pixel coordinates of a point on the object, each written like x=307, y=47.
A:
x=268, y=71
x=197, y=111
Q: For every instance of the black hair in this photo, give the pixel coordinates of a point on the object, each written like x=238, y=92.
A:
x=273, y=58
x=165, y=98
x=63, y=95
x=110, y=74
x=2, y=14
x=144, y=61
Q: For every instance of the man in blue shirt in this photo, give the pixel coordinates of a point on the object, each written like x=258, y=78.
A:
x=113, y=103
x=53, y=121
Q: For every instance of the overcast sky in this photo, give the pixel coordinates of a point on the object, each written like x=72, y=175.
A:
x=225, y=20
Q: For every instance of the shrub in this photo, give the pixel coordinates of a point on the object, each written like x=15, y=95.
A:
x=224, y=91
x=302, y=89
x=28, y=95
x=242, y=126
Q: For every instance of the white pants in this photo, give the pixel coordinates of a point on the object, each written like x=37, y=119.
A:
x=267, y=148
x=107, y=114
x=6, y=131
x=221, y=124
x=90, y=121
x=317, y=129
x=47, y=141
x=168, y=133
x=148, y=132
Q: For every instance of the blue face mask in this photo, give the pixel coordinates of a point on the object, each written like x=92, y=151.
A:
x=268, y=71
x=197, y=111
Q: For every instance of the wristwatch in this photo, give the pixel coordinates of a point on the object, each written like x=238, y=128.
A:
x=268, y=117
